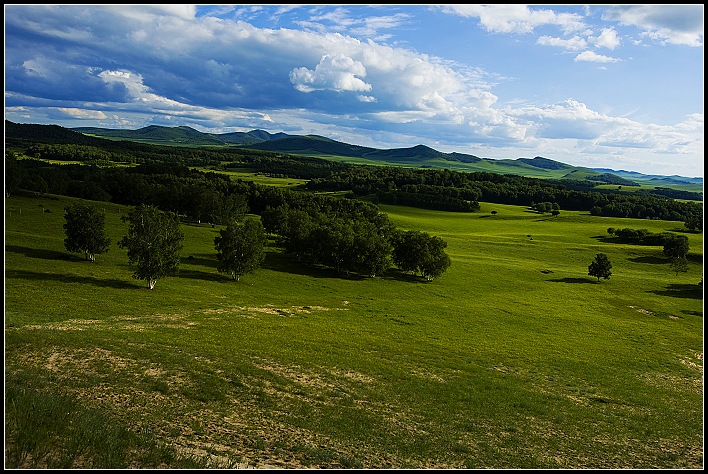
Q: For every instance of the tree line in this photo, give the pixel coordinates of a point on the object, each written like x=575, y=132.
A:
x=154, y=240
x=432, y=188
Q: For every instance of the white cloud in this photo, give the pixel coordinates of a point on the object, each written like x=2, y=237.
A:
x=516, y=18
x=576, y=43
x=591, y=56
x=146, y=12
x=82, y=113
x=672, y=24
x=334, y=72
x=608, y=39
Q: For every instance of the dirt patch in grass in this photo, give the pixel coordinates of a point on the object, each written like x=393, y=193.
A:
x=236, y=432
x=123, y=323
x=251, y=311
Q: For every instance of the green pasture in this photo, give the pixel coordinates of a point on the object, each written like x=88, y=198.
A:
x=513, y=358
x=255, y=176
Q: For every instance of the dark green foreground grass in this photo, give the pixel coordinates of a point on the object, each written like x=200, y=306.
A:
x=514, y=358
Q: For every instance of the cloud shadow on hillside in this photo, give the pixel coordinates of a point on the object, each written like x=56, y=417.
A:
x=64, y=278
x=44, y=254
x=681, y=290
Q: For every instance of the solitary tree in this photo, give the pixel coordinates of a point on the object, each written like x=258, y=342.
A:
x=676, y=246
x=154, y=240
x=85, y=231
x=600, y=267
x=240, y=247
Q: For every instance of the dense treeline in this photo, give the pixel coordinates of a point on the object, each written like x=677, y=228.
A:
x=440, y=189
x=389, y=183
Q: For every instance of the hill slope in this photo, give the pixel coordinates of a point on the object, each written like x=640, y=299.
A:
x=314, y=145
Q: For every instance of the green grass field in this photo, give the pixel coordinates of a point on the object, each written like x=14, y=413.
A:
x=514, y=358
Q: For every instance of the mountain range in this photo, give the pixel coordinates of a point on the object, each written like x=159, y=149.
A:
x=419, y=156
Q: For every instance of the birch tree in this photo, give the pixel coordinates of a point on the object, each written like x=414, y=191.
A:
x=154, y=240
x=85, y=230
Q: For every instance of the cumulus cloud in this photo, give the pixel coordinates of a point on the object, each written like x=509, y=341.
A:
x=82, y=113
x=672, y=24
x=608, y=39
x=516, y=18
x=338, y=73
x=593, y=57
x=576, y=43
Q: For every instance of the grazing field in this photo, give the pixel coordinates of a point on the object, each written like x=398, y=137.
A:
x=513, y=358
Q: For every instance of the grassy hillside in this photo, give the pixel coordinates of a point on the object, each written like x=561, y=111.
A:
x=514, y=358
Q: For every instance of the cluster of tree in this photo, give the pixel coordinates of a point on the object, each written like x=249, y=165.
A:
x=154, y=240
x=677, y=194
x=442, y=201
x=675, y=245
x=610, y=178
x=366, y=245
x=546, y=208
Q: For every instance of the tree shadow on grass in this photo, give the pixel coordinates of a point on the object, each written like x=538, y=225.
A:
x=43, y=253
x=203, y=260
x=283, y=262
x=649, y=259
x=200, y=275
x=63, y=278
x=572, y=280
x=604, y=239
x=396, y=274
x=681, y=290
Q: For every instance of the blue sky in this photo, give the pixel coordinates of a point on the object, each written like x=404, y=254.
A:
x=617, y=87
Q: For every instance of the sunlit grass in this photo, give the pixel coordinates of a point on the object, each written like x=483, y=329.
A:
x=514, y=358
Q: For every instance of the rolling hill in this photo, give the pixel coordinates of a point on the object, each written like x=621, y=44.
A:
x=419, y=156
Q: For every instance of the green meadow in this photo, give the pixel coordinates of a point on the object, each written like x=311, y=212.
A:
x=513, y=358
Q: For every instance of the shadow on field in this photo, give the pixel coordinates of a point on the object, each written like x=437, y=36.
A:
x=572, y=280
x=43, y=253
x=200, y=275
x=681, y=290
x=109, y=283
x=604, y=238
x=396, y=274
x=652, y=260
x=281, y=262
x=201, y=259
